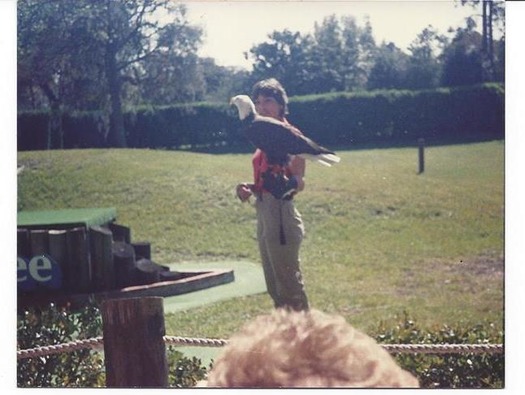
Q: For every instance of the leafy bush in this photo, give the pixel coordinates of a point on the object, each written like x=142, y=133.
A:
x=84, y=368
x=470, y=113
x=183, y=372
x=32, y=131
x=448, y=370
x=56, y=325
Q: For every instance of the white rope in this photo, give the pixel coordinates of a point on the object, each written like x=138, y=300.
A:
x=97, y=343
x=77, y=345
x=444, y=348
x=192, y=341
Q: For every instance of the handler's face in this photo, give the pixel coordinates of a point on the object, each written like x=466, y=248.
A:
x=267, y=106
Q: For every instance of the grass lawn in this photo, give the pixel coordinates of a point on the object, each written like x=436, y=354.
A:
x=381, y=240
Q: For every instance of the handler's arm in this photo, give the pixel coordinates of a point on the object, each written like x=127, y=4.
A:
x=297, y=168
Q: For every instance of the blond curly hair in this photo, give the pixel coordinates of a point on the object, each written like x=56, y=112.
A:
x=305, y=349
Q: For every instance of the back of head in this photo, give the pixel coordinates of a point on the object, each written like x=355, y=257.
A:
x=305, y=349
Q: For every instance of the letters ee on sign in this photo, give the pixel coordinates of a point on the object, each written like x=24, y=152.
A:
x=39, y=271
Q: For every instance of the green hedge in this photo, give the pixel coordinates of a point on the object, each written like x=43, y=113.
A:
x=338, y=119
x=196, y=125
x=462, y=114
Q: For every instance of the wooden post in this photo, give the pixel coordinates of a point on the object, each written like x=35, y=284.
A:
x=120, y=233
x=58, y=251
x=124, y=264
x=421, y=144
x=134, y=349
x=142, y=249
x=79, y=264
x=38, y=241
x=101, y=240
x=22, y=243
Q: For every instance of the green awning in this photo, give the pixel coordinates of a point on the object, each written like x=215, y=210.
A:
x=66, y=218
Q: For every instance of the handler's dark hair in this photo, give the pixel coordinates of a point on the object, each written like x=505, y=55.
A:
x=271, y=88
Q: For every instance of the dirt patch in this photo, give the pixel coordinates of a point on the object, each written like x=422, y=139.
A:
x=31, y=164
x=471, y=272
x=488, y=265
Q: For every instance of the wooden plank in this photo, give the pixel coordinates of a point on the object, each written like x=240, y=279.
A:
x=38, y=241
x=58, y=251
x=120, y=233
x=134, y=349
x=147, y=272
x=190, y=283
x=142, y=249
x=101, y=240
x=79, y=266
x=124, y=264
x=22, y=243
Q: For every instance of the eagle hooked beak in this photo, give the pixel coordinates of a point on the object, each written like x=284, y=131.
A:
x=232, y=101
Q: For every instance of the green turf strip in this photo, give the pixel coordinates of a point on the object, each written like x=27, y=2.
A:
x=249, y=280
x=66, y=217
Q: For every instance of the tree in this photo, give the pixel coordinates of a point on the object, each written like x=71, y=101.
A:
x=462, y=61
x=173, y=73
x=492, y=15
x=337, y=57
x=390, y=68
x=423, y=64
x=223, y=82
x=131, y=34
x=284, y=56
x=91, y=54
x=352, y=72
x=328, y=55
x=367, y=51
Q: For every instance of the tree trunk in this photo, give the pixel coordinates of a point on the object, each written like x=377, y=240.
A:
x=55, y=133
x=116, y=136
x=490, y=40
x=487, y=57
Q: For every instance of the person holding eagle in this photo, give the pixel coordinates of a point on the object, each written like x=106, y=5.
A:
x=279, y=170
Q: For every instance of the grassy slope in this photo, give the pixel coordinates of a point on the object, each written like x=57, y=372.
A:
x=380, y=238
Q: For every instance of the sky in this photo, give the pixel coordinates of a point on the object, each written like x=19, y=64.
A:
x=233, y=27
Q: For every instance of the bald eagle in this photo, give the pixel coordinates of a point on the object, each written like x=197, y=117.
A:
x=278, y=139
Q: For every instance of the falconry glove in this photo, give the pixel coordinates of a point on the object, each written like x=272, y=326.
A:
x=280, y=186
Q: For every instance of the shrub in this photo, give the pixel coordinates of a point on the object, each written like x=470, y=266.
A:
x=448, y=370
x=472, y=113
x=183, y=372
x=84, y=368
x=56, y=325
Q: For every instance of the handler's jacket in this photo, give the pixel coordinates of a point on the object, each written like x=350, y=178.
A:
x=261, y=166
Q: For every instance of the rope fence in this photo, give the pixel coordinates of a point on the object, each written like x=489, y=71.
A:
x=98, y=342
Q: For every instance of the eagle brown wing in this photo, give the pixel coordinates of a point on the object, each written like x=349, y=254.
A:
x=278, y=139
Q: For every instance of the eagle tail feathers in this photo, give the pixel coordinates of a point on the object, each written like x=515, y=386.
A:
x=323, y=159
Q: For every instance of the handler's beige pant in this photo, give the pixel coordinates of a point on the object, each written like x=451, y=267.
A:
x=281, y=261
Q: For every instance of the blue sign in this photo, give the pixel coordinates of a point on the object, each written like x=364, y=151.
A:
x=40, y=272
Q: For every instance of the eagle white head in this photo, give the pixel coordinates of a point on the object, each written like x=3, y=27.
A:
x=244, y=105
